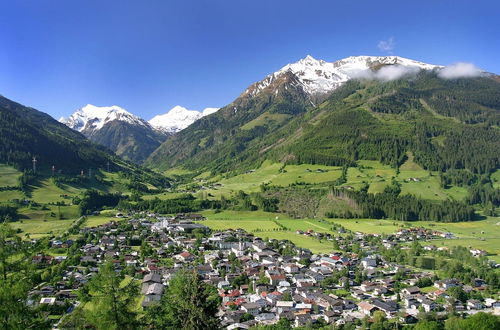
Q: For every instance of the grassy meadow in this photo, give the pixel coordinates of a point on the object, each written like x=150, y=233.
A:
x=426, y=184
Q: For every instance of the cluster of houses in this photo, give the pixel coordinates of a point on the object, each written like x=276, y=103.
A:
x=256, y=283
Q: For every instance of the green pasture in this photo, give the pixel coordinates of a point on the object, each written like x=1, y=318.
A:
x=97, y=220
x=45, y=191
x=8, y=176
x=8, y=195
x=490, y=245
x=369, y=226
x=276, y=174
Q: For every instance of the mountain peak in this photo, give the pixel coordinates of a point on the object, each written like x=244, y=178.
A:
x=317, y=77
x=178, y=118
x=90, y=118
x=309, y=60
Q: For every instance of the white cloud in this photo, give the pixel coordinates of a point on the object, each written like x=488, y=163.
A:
x=386, y=73
x=460, y=70
x=387, y=45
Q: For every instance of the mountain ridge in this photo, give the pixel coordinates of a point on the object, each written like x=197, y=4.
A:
x=272, y=115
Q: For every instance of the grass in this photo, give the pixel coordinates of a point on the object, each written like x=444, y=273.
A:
x=428, y=289
x=270, y=173
x=369, y=226
x=377, y=175
x=40, y=228
x=10, y=194
x=97, y=220
x=8, y=176
x=264, y=224
x=165, y=195
x=45, y=191
x=307, y=224
x=307, y=242
x=428, y=186
x=264, y=119
x=484, y=234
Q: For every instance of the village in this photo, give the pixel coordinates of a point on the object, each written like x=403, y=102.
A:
x=260, y=281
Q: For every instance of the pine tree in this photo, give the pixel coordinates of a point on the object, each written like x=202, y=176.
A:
x=188, y=303
x=111, y=301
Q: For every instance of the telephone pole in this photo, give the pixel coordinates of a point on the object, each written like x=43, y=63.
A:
x=53, y=170
x=34, y=164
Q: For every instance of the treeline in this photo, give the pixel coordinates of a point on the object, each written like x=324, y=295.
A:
x=138, y=178
x=389, y=204
x=93, y=200
x=461, y=178
x=484, y=195
x=458, y=263
x=182, y=204
x=25, y=180
x=8, y=213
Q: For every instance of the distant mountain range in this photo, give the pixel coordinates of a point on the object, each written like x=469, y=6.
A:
x=26, y=133
x=313, y=111
x=128, y=135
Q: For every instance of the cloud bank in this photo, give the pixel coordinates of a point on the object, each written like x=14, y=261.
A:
x=460, y=70
x=386, y=73
x=386, y=45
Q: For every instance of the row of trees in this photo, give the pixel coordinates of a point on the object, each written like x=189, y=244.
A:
x=389, y=204
x=8, y=213
x=93, y=200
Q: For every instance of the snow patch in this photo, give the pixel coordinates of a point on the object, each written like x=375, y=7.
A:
x=91, y=118
x=178, y=118
x=320, y=77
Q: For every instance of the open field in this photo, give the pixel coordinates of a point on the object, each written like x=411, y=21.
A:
x=378, y=176
x=306, y=225
x=8, y=176
x=491, y=245
x=243, y=215
x=45, y=191
x=369, y=226
x=40, y=228
x=484, y=234
x=264, y=119
x=263, y=224
x=8, y=195
x=97, y=220
x=165, y=195
x=270, y=173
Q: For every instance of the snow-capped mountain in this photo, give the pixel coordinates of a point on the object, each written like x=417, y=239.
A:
x=261, y=112
x=117, y=129
x=178, y=118
x=91, y=118
x=317, y=77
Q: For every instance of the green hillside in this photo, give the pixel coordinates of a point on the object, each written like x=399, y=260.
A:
x=131, y=142
x=445, y=124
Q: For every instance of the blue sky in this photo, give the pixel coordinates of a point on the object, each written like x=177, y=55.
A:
x=148, y=56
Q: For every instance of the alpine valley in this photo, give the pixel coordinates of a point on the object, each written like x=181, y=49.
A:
x=357, y=194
